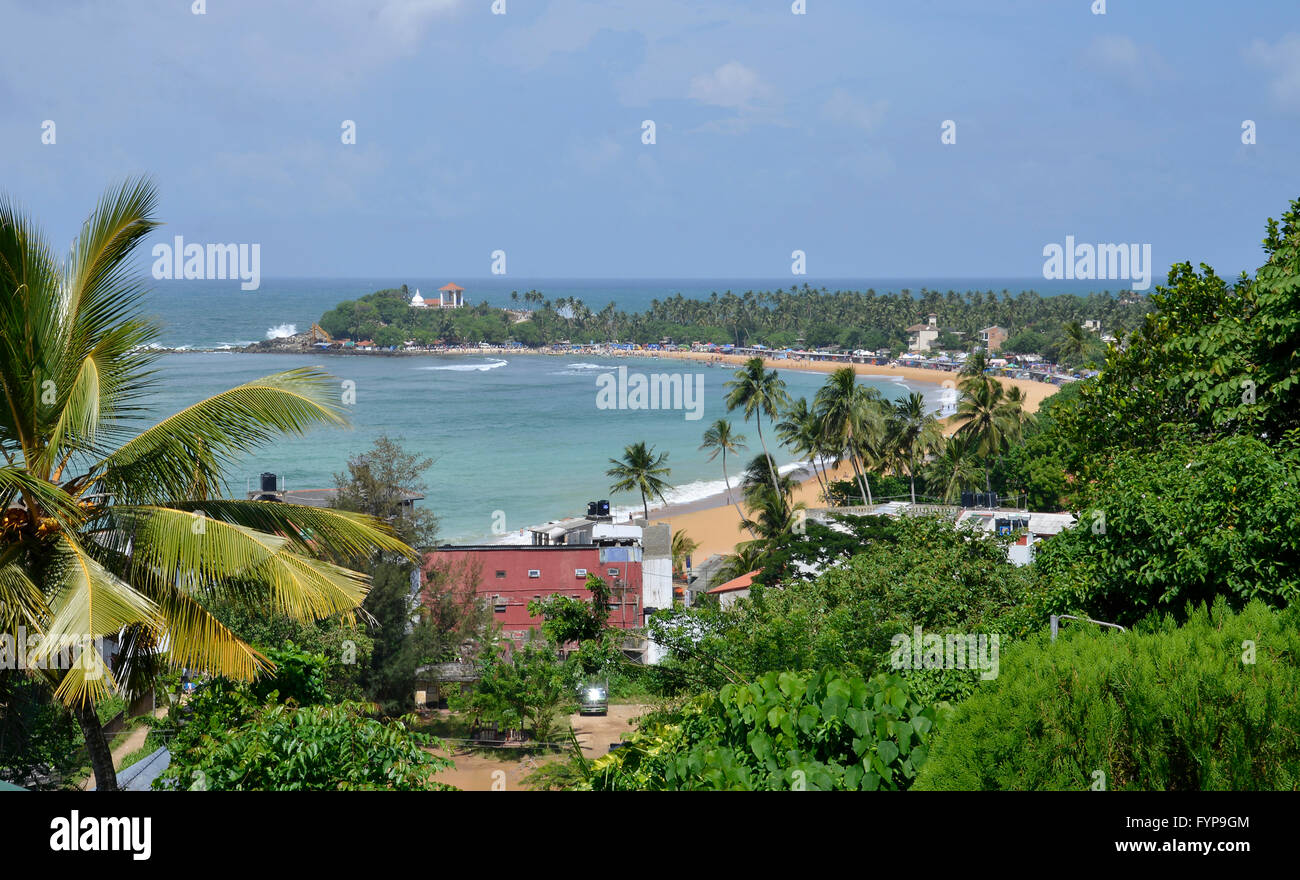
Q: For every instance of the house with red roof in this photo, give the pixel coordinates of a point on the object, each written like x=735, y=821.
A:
x=734, y=589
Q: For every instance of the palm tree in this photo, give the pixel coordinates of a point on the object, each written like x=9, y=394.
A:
x=748, y=557
x=852, y=415
x=913, y=434
x=642, y=471
x=1075, y=345
x=976, y=363
x=113, y=532
x=953, y=470
x=719, y=439
x=682, y=547
x=1016, y=411
x=993, y=418
x=758, y=390
x=802, y=432
x=760, y=477
x=768, y=496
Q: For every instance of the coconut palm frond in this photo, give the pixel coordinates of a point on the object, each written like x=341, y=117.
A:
x=182, y=551
x=342, y=534
x=39, y=498
x=89, y=602
x=197, y=640
x=184, y=454
x=21, y=602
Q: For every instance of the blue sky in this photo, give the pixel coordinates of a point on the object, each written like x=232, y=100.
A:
x=775, y=132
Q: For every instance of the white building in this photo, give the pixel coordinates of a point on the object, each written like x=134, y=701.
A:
x=921, y=336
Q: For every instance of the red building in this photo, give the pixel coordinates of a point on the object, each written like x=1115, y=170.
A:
x=507, y=577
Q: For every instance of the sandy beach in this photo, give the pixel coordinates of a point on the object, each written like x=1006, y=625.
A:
x=1035, y=392
x=715, y=524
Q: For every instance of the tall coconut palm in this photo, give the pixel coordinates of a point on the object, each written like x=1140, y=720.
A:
x=1075, y=344
x=801, y=430
x=719, y=439
x=748, y=557
x=682, y=547
x=640, y=470
x=953, y=470
x=772, y=512
x=114, y=532
x=852, y=414
x=992, y=419
x=772, y=517
x=976, y=363
x=758, y=391
x=912, y=435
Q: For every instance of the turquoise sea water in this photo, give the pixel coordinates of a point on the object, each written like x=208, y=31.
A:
x=518, y=434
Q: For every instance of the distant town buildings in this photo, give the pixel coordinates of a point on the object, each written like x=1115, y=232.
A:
x=921, y=336
x=634, y=560
x=993, y=337
x=1031, y=527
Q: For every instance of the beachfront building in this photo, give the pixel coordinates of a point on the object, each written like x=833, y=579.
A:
x=921, y=336
x=451, y=296
x=1032, y=528
x=417, y=301
x=734, y=590
x=992, y=338
x=978, y=512
x=635, y=560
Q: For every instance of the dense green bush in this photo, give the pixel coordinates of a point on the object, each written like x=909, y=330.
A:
x=234, y=743
x=39, y=740
x=923, y=572
x=824, y=732
x=299, y=676
x=1167, y=708
x=1186, y=524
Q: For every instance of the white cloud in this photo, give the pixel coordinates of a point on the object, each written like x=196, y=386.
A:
x=732, y=85
x=845, y=108
x=403, y=22
x=1282, y=59
x=1121, y=59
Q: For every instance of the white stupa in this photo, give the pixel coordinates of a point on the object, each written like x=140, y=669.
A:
x=417, y=301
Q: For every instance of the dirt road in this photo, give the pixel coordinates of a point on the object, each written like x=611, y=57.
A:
x=505, y=769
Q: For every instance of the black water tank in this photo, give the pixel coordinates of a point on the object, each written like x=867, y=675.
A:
x=592, y=508
x=268, y=482
x=604, y=508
